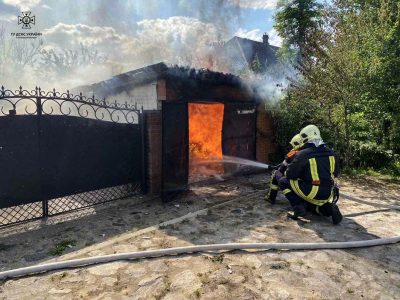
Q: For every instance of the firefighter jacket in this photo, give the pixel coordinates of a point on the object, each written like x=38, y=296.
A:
x=282, y=168
x=311, y=173
x=288, y=159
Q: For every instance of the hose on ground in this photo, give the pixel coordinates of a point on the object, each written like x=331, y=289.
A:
x=192, y=249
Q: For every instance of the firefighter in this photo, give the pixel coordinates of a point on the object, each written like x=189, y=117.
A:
x=296, y=143
x=309, y=178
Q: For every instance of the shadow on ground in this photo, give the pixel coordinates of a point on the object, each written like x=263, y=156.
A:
x=249, y=219
x=36, y=241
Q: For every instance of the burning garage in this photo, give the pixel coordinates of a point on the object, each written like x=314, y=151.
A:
x=191, y=117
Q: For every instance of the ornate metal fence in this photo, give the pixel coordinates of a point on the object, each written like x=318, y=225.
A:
x=60, y=152
x=39, y=102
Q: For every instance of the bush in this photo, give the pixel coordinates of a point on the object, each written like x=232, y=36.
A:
x=371, y=155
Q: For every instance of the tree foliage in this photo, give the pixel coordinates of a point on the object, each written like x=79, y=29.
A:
x=349, y=82
x=59, y=62
x=297, y=21
x=255, y=65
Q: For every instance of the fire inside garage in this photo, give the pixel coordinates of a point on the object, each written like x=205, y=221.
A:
x=205, y=139
x=192, y=117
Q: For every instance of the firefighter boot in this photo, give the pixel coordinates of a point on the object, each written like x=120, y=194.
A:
x=336, y=214
x=271, y=196
x=331, y=210
x=298, y=211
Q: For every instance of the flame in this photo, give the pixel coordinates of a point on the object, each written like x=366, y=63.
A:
x=205, y=133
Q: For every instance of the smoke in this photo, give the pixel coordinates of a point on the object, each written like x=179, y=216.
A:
x=255, y=4
x=271, y=85
x=84, y=45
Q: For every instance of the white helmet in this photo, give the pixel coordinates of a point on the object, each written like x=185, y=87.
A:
x=296, y=142
x=309, y=133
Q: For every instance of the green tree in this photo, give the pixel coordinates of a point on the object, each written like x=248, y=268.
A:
x=296, y=21
x=255, y=65
x=349, y=82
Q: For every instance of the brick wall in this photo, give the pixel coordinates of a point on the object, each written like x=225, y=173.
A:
x=265, y=147
x=153, y=149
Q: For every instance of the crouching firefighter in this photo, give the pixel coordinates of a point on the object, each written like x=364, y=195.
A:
x=296, y=143
x=308, y=182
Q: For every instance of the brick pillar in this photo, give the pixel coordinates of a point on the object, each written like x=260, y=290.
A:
x=154, y=150
x=265, y=146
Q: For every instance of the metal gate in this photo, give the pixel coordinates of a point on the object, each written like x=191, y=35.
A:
x=60, y=152
x=175, y=149
x=239, y=130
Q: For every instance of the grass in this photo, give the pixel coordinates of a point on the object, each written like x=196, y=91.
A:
x=162, y=226
x=197, y=293
x=60, y=247
x=164, y=291
x=218, y=258
x=380, y=174
x=58, y=277
x=350, y=291
x=300, y=262
x=204, y=277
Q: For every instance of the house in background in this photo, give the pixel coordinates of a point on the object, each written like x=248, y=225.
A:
x=239, y=55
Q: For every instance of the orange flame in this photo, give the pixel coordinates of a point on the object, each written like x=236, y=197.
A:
x=205, y=131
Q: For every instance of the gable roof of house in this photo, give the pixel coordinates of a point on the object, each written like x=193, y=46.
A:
x=247, y=50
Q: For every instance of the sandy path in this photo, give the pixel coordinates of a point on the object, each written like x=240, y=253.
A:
x=370, y=273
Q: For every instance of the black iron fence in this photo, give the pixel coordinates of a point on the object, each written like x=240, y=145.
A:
x=60, y=152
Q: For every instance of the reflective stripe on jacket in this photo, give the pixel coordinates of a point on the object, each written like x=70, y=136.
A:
x=311, y=173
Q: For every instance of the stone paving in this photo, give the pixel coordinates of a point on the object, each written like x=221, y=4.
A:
x=369, y=273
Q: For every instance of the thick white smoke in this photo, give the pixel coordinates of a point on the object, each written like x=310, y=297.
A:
x=109, y=42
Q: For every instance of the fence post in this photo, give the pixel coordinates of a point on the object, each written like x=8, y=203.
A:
x=45, y=204
x=142, y=122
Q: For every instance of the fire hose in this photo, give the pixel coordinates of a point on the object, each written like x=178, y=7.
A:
x=74, y=263
x=193, y=249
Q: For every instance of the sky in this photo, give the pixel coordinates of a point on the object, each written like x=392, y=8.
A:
x=133, y=33
x=247, y=18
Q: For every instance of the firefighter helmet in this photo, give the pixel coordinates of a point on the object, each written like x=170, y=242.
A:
x=310, y=133
x=296, y=142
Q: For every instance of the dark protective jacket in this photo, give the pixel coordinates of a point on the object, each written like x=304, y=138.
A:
x=282, y=168
x=311, y=173
x=288, y=159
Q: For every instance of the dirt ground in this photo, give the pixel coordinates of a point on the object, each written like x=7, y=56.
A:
x=126, y=225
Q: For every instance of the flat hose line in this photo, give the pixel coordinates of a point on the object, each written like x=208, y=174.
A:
x=195, y=249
